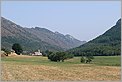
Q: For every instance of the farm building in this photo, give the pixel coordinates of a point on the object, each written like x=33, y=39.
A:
x=3, y=54
x=12, y=53
x=37, y=53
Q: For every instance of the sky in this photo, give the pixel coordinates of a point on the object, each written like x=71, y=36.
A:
x=84, y=20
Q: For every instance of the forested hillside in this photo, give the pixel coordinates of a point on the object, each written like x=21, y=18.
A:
x=106, y=44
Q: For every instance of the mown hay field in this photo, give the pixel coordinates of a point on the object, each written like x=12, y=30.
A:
x=36, y=68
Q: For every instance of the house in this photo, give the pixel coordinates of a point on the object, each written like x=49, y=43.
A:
x=37, y=53
x=3, y=54
x=12, y=53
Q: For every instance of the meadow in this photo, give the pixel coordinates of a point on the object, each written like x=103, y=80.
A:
x=35, y=68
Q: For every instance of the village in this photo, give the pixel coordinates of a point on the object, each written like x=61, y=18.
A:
x=12, y=53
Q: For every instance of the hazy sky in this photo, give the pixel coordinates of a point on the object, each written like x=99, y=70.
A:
x=83, y=20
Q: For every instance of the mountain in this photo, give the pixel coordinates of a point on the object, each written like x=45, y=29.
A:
x=35, y=38
x=106, y=44
x=54, y=38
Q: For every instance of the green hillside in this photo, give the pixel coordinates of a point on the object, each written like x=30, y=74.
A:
x=107, y=44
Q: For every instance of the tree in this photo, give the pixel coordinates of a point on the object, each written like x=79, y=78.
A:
x=87, y=59
x=17, y=48
x=59, y=56
x=46, y=53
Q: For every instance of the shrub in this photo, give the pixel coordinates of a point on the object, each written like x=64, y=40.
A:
x=59, y=56
x=82, y=60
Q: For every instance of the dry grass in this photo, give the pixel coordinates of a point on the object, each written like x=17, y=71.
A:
x=26, y=72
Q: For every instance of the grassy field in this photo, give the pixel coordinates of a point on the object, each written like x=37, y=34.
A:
x=107, y=60
x=40, y=68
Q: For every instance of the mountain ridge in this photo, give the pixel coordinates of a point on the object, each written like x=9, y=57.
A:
x=109, y=43
x=43, y=38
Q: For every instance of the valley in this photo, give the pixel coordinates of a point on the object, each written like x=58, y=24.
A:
x=61, y=55
x=61, y=41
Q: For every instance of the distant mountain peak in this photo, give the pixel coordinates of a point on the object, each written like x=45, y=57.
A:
x=56, y=32
x=42, y=29
x=37, y=27
x=69, y=36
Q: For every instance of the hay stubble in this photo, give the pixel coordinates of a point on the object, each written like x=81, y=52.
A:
x=26, y=72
